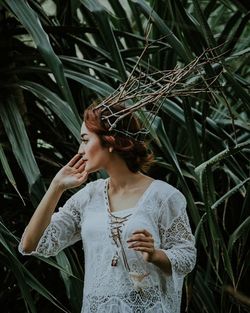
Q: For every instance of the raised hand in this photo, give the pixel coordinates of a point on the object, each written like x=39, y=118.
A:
x=72, y=175
x=142, y=241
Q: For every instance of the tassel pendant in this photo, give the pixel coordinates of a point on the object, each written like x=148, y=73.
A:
x=114, y=260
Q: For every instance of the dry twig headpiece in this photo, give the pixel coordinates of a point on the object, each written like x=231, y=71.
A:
x=146, y=92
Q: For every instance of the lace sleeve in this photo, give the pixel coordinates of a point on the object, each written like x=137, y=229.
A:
x=64, y=228
x=177, y=240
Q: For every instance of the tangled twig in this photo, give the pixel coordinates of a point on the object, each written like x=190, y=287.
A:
x=148, y=90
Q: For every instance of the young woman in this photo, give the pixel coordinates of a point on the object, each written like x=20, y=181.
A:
x=136, y=237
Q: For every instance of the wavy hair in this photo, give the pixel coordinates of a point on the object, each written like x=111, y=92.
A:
x=134, y=152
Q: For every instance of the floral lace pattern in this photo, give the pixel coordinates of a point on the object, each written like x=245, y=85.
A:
x=161, y=211
x=144, y=301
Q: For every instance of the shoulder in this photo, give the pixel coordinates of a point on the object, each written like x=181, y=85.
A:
x=169, y=196
x=88, y=190
x=165, y=190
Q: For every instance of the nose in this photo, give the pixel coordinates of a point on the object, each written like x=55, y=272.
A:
x=81, y=149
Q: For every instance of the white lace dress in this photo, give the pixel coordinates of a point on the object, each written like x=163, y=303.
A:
x=109, y=289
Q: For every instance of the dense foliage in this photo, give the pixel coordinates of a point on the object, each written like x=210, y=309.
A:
x=59, y=56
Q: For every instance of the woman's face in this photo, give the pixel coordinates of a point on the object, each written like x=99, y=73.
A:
x=95, y=155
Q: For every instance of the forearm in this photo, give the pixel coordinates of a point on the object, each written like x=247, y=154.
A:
x=41, y=218
x=161, y=260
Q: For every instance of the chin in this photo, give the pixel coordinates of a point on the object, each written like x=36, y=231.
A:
x=93, y=169
x=90, y=169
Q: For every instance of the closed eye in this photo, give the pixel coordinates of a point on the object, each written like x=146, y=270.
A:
x=84, y=141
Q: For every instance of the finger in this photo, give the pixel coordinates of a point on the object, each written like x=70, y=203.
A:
x=81, y=174
x=141, y=244
x=81, y=168
x=144, y=249
x=148, y=251
x=82, y=177
x=140, y=237
x=74, y=160
x=142, y=231
x=79, y=163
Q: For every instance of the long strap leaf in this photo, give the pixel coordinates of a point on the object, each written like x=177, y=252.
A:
x=107, y=34
x=170, y=37
x=8, y=172
x=16, y=132
x=31, y=22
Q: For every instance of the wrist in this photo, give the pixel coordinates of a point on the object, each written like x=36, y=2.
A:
x=155, y=257
x=57, y=187
x=160, y=259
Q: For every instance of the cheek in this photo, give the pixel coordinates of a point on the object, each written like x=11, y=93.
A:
x=90, y=150
x=94, y=150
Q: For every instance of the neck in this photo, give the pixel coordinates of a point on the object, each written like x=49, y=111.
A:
x=120, y=176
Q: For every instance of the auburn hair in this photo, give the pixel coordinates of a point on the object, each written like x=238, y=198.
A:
x=134, y=152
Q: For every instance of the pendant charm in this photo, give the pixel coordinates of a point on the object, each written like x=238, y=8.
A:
x=114, y=260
